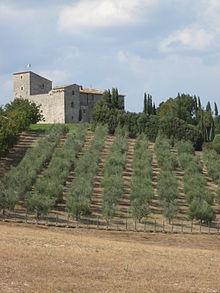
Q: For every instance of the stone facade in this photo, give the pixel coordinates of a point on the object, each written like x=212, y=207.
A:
x=61, y=104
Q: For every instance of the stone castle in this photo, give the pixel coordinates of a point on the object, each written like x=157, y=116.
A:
x=61, y=104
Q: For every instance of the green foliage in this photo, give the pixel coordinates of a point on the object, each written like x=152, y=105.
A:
x=166, y=159
x=190, y=163
x=107, y=112
x=201, y=210
x=177, y=129
x=18, y=181
x=141, y=183
x=39, y=203
x=185, y=147
x=113, y=174
x=216, y=143
x=199, y=198
x=168, y=193
x=80, y=193
x=51, y=185
x=14, y=118
x=212, y=162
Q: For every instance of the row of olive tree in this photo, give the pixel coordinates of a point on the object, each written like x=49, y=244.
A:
x=49, y=188
x=166, y=159
x=112, y=181
x=80, y=192
x=212, y=162
x=167, y=184
x=18, y=181
x=199, y=198
x=142, y=190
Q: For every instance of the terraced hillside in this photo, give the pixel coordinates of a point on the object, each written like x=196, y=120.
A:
x=15, y=155
x=94, y=203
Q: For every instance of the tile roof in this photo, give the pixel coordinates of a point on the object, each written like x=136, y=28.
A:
x=62, y=86
x=91, y=91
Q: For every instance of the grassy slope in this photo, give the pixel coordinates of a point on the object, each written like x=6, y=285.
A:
x=45, y=127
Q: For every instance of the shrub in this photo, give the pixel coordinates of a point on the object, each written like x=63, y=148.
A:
x=212, y=162
x=185, y=147
x=166, y=159
x=216, y=143
x=201, y=210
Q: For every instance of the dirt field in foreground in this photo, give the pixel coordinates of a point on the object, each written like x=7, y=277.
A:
x=53, y=260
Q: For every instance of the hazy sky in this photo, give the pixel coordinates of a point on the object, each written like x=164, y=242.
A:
x=159, y=46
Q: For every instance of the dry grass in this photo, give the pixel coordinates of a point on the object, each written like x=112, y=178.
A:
x=58, y=260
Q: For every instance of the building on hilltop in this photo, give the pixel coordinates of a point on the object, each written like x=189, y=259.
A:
x=61, y=104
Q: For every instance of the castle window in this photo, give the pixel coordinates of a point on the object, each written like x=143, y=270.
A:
x=42, y=86
x=73, y=93
x=72, y=117
x=22, y=88
x=84, y=111
x=72, y=104
x=21, y=76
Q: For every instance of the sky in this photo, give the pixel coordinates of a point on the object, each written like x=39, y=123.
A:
x=161, y=47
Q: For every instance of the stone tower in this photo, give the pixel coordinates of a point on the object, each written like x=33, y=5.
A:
x=28, y=83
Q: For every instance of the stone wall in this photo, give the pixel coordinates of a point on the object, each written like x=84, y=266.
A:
x=72, y=103
x=87, y=102
x=52, y=105
x=39, y=84
x=21, y=85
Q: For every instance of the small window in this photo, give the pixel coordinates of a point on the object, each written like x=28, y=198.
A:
x=72, y=117
x=72, y=104
x=84, y=111
x=22, y=88
x=73, y=93
x=21, y=76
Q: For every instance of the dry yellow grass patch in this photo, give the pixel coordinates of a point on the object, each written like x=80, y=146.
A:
x=58, y=260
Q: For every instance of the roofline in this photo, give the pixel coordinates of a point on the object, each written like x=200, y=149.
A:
x=63, y=86
x=96, y=92
x=29, y=71
x=22, y=72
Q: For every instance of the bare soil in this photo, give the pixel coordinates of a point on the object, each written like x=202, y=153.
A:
x=34, y=259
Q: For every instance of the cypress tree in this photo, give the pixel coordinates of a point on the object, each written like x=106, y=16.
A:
x=145, y=103
x=154, y=110
x=216, y=110
x=80, y=114
x=199, y=103
x=116, y=99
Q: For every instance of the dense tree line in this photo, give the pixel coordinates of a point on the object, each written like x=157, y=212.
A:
x=182, y=118
x=189, y=109
x=14, y=118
